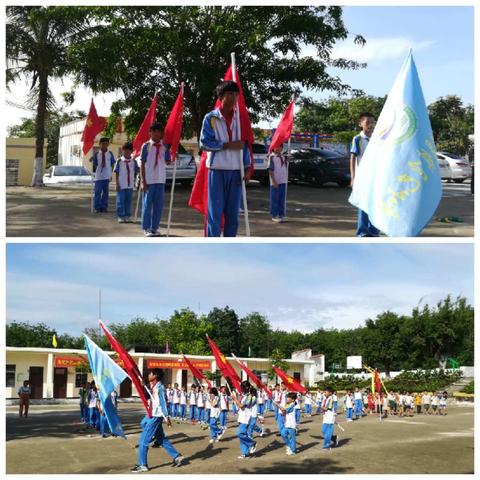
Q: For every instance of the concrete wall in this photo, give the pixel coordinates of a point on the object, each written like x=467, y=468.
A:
x=20, y=156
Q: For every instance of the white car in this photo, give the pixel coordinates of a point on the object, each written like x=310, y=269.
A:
x=445, y=171
x=260, y=167
x=67, y=175
x=459, y=166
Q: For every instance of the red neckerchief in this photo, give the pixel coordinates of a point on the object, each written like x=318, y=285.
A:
x=229, y=121
x=157, y=153
x=127, y=164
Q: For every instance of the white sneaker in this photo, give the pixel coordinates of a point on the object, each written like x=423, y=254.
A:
x=120, y=220
x=155, y=233
x=150, y=234
x=276, y=219
x=211, y=441
x=288, y=451
x=147, y=233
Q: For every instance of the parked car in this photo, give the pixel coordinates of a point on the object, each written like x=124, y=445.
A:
x=459, y=166
x=445, y=170
x=67, y=175
x=260, y=170
x=318, y=166
x=186, y=168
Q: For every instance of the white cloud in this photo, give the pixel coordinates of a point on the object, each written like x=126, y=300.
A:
x=379, y=48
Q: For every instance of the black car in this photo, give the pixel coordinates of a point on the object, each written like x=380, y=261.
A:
x=317, y=166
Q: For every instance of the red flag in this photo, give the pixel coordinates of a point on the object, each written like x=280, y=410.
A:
x=378, y=383
x=197, y=373
x=290, y=382
x=199, y=196
x=284, y=129
x=173, y=128
x=143, y=134
x=129, y=366
x=222, y=363
x=253, y=377
x=93, y=126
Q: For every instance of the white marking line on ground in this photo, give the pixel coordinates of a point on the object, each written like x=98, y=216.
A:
x=457, y=434
x=411, y=422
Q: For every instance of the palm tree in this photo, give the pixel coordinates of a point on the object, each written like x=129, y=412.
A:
x=37, y=41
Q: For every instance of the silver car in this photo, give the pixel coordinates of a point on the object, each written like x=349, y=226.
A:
x=460, y=169
x=67, y=175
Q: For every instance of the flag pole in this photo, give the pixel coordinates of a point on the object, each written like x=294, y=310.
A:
x=92, y=191
x=139, y=194
x=173, y=185
x=288, y=162
x=242, y=168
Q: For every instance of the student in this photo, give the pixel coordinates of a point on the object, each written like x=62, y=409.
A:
x=278, y=170
x=176, y=401
x=318, y=401
x=289, y=430
x=192, y=401
x=125, y=170
x=442, y=404
x=408, y=405
x=253, y=406
x=223, y=407
x=102, y=161
x=358, y=405
x=201, y=406
x=169, y=397
x=401, y=404
x=391, y=403
x=418, y=403
x=366, y=122
x=435, y=403
x=276, y=401
x=152, y=427
x=92, y=406
x=335, y=401
x=348, y=403
x=328, y=420
x=370, y=403
x=426, y=399
x=379, y=405
x=155, y=156
x=183, y=404
x=282, y=401
x=102, y=420
x=82, y=393
x=225, y=150
x=216, y=432
x=308, y=404
x=262, y=399
x=242, y=400
x=298, y=408
x=24, y=393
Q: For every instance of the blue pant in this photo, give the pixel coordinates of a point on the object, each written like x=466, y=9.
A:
x=175, y=410
x=364, y=227
x=298, y=415
x=245, y=441
x=327, y=430
x=275, y=412
x=84, y=412
x=289, y=435
x=253, y=427
x=200, y=414
x=277, y=200
x=207, y=415
x=319, y=408
x=335, y=406
x=183, y=411
x=234, y=409
x=349, y=413
x=169, y=408
x=152, y=206
x=124, y=203
x=358, y=408
x=280, y=422
x=270, y=405
x=261, y=409
x=152, y=428
x=223, y=418
x=103, y=425
x=100, y=200
x=92, y=417
x=224, y=194
x=308, y=409
x=215, y=429
x=193, y=412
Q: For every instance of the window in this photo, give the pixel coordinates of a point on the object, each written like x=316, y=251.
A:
x=80, y=379
x=296, y=376
x=10, y=376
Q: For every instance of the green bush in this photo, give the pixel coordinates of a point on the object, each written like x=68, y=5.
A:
x=468, y=388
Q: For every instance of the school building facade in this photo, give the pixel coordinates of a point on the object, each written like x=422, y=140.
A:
x=56, y=374
x=20, y=159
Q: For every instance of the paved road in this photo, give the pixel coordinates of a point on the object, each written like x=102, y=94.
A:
x=52, y=441
x=312, y=212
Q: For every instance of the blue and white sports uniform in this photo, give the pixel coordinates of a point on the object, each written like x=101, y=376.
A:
x=224, y=178
x=103, y=163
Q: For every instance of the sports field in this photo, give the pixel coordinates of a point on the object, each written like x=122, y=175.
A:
x=52, y=440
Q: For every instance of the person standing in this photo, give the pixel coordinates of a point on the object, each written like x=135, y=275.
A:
x=103, y=161
x=24, y=393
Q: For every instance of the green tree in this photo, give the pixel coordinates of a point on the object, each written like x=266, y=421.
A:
x=149, y=49
x=452, y=123
x=36, y=50
x=21, y=334
x=224, y=329
x=54, y=120
x=254, y=333
x=276, y=360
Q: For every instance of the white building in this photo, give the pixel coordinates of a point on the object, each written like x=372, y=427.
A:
x=56, y=373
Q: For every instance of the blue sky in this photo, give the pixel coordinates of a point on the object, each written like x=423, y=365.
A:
x=301, y=286
x=441, y=38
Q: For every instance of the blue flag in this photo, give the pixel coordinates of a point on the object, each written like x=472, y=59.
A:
x=397, y=182
x=107, y=376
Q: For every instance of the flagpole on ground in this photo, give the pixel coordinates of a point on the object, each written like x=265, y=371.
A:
x=91, y=195
x=288, y=163
x=242, y=168
x=139, y=194
x=173, y=186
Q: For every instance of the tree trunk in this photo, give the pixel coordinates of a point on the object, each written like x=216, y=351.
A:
x=37, y=180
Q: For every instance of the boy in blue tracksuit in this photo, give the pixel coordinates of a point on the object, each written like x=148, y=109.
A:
x=152, y=427
x=220, y=138
x=278, y=171
x=365, y=228
x=328, y=420
x=253, y=405
x=155, y=156
x=125, y=170
x=103, y=161
x=248, y=446
x=289, y=429
x=216, y=431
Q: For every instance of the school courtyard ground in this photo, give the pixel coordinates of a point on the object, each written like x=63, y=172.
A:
x=312, y=212
x=52, y=441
